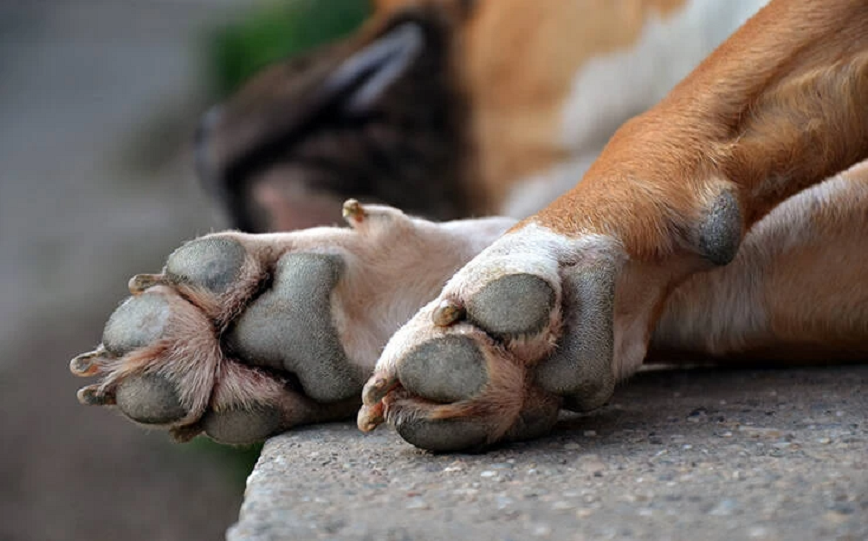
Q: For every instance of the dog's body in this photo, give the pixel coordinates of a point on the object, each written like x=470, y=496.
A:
x=727, y=223
x=491, y=109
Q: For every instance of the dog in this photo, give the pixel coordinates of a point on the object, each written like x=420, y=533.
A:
x=708, y=226
x=433, y=107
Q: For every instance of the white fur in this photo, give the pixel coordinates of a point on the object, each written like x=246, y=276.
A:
x=533, y=249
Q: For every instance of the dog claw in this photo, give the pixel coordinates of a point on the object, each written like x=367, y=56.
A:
x=447, y=313
x=353, y=212
x=93, y=396
x=377, y=388
x=142, y=282
x=82, y=365
x=370, y=417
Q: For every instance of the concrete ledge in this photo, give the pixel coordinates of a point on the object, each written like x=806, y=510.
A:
x=776, y=454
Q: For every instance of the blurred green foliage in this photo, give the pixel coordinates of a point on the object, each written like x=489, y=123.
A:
x=277, y=30
x=239, y=460
x=272, y=31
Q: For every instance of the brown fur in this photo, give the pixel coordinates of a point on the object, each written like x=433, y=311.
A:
x=516, y=99
x=778, y=108
x=782, y=105
x=480, y=112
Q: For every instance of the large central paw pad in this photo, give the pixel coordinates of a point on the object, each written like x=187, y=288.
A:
x=292, y=323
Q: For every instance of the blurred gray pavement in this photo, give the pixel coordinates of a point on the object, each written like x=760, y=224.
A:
x=77, y=80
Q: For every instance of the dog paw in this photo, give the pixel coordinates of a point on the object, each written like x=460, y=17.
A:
x=524, y=329
x=244, y=336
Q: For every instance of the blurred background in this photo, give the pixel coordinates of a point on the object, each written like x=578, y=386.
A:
x=98, y=103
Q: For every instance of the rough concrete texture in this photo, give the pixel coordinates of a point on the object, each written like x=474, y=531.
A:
x=704, y=454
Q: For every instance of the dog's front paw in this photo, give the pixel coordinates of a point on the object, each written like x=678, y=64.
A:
x=523, y=329
x=243, y=336
x=221, y=343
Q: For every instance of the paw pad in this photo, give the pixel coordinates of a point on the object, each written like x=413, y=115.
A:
x=581, y=367
x=242, y=426
x=511, y=306
x=212, y=262
x=149, y=399
x=290, y=327
x=138, y=322
x=443, y=435
x=446, y=369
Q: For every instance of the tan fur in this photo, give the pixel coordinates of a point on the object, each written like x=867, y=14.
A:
x=735, y=122
x=517, y=98
x=509, y=70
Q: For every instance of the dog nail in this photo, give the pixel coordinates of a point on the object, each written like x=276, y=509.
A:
x=92, y=396
x=353, y=212
x=83, y=365
x=370, y=417
x=141, y=282
x=377, y=388
x=447, y=313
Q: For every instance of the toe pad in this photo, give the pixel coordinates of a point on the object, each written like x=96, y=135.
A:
x=446, y=369
x=513, y=305
x=212, y=263
x=149, y=399
x=138, y=322
x=443, y=435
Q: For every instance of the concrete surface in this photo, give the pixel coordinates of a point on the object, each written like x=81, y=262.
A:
x=704, y=454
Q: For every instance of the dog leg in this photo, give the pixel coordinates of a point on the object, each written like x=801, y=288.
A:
x=565, y=303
